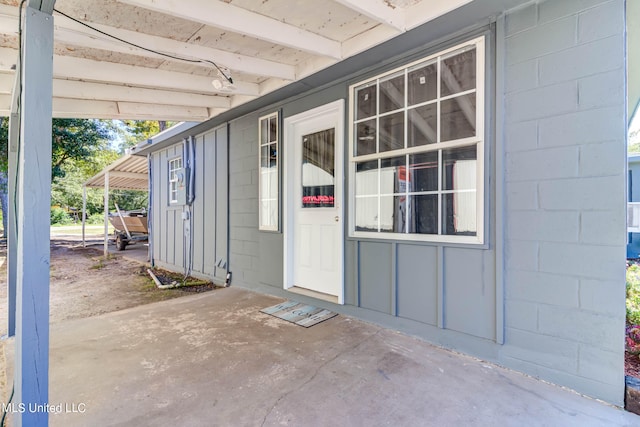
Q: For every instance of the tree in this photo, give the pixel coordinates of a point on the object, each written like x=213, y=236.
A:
x=139, y=130
x=634, y=141
x=72, y=140
x=76, y=140
x=81, y=148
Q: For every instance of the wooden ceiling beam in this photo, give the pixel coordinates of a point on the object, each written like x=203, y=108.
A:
x=72, y=33
x=84, y=109
x=68, y=67
x=378, y=11
x=78, y=89
x=426, y=11
x=108, y=92
x=238, y=20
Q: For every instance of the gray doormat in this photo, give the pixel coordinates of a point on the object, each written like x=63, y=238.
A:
x=300, y=314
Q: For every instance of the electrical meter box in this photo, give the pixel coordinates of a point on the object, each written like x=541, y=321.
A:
x=181, y=187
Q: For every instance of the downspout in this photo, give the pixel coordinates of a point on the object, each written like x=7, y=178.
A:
x=185, y=229
x=191, y=192
x=191, y=196
x=190, y=154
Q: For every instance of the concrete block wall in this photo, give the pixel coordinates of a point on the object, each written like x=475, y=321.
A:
x=564, y=78
x=243, y=201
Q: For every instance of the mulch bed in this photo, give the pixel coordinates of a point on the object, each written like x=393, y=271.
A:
x=188, y=285
x=632, y=365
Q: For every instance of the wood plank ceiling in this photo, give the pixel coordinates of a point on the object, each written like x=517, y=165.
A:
x=261, y=44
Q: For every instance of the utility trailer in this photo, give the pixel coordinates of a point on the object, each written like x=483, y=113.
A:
x=130, y=227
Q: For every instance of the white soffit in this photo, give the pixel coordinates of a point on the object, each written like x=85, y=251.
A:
x=264, y=44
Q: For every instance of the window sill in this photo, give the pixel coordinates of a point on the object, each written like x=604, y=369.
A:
x=422, y=240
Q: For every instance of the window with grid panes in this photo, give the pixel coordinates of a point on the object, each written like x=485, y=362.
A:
x=269, y=186
x=416, y=158
x=175, y=166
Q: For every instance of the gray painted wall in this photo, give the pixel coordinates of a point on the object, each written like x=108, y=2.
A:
x=565, y=191
x=384, y=279
x=208, y=224
x=254, y=257
x=550, y=280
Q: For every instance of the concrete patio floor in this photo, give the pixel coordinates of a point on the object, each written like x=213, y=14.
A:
x=214, y=360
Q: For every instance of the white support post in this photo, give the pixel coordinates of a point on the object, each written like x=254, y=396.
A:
x=12, y=225
x=84, y=214
x=12, y=242
x=31, y=378
x=106, y=214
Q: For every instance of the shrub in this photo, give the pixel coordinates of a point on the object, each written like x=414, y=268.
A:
x=633, y=294
x=60, y=217
x=96, y=218
x=632, y=341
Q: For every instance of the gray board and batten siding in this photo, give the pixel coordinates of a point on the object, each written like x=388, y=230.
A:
x=207, y=219
x=544, y=293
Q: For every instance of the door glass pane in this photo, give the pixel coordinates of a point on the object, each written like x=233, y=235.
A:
x=423, y=84
x=318, y=174
x=458, y=73
x=392, y=94
x=458, y=117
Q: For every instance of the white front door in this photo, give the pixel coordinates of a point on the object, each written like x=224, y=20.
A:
x=314, y=220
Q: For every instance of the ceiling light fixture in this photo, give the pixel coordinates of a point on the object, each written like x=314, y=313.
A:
x=217, y=84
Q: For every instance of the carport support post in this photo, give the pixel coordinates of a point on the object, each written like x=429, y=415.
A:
x=12, y=249
x=106, y=214
x=11, y=231
x=31, y=377
x=84, y=213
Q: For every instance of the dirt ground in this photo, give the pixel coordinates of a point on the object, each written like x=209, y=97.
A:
x=84, y=284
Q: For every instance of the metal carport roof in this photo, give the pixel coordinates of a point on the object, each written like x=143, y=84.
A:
x=129, y=172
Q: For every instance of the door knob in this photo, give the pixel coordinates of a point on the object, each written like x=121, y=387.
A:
x=337, y=218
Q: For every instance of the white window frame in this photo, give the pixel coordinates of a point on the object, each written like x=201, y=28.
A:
x=261, y=225
x=437, y=147
x=173, y=179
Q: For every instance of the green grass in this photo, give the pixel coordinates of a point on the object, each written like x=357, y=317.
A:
x=76, y=229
